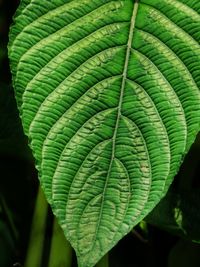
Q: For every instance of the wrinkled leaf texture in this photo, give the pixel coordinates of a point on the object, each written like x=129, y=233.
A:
x=108, y=96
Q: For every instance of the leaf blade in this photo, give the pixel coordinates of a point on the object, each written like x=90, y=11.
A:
x=102, y=103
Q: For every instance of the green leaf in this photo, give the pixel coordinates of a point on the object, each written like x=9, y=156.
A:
x=178, y=211
x=178, y=214
x=108, y=95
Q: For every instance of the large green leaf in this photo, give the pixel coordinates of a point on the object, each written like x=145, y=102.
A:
x=108, y=95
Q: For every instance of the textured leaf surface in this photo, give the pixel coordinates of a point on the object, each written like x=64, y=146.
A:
x=108, y=95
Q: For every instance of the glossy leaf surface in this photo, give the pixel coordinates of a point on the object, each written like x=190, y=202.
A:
x=108, y=95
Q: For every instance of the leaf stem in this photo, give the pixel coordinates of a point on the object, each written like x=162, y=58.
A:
x=37, y=235
x=61, y=250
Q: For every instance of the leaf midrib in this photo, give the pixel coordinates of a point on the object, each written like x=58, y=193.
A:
x=124, y=78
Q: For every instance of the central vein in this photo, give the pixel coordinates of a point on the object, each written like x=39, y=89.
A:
x=124, y=75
